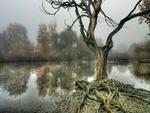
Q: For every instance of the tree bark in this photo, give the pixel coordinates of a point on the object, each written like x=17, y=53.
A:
x=101, y=63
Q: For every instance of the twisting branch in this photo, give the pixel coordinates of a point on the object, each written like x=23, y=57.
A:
x=91, y=10
x=134, y=7
x=81, y=23
x=87, y=7
x=88, y=39
x=57, y=4
x=46, y=12
x=110, y=22
x=70, y=26
x=109, y=42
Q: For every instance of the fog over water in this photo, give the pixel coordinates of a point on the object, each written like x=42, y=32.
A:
x=29, y=14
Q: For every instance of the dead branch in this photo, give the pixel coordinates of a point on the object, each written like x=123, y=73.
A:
x=122, y=22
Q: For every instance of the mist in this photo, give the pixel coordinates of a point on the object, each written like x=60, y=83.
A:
x=29, y=13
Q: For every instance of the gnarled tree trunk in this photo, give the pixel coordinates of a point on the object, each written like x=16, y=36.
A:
x=101, y=63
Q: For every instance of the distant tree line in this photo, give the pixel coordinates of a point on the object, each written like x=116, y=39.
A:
x=14, y=43
x=52, y=45
x=141, y=51
x=66, y=45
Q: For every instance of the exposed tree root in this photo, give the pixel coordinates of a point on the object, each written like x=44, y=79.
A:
x=110, y=95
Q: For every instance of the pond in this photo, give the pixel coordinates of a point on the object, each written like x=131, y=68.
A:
x=36, y=87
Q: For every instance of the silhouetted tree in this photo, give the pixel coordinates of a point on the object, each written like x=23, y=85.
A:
x=91, y=9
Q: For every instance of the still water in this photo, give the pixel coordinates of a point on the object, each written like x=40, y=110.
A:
x=36, y=87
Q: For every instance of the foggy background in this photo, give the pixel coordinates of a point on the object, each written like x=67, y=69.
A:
x=31, y=72
x=29, y=14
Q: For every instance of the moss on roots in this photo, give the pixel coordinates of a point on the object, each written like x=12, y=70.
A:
x=110, y=96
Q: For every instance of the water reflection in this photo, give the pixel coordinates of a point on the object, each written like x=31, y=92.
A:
x=60, y=78
x=14, y=79
x=52, y=78
x=124, y=74
x=141, y=71
x=29, y=87
x=42, y=81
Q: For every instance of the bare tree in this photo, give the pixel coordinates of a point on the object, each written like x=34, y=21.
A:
x=91, y=10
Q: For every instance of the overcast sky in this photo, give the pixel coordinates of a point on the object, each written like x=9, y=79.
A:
x=29, y=14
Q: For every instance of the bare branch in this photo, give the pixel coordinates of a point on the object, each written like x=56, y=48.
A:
x=122, y=22
x=46, y=12
x=80, y=22
x=110, y=22
x=134, y=7
x=81, y=16
x=87, y=7
x=145, y=12
x=90, y=42
x=57, y=4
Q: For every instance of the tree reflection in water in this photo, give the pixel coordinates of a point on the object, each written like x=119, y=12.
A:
x=57, y=77
x=141, y=71
x=50, y=84
x=43, y=79
x=61, y=78
x=14, y=79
